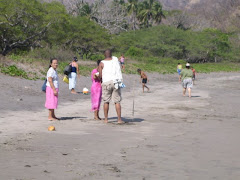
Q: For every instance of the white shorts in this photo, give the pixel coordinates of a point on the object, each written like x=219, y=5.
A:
x=187, y=83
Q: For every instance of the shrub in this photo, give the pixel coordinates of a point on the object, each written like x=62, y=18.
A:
x=14, y=71
x=96, y=57
x=134, y=52
x=54, y=52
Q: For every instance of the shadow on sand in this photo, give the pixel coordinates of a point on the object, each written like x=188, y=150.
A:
x=126, y=120
x=71, y=118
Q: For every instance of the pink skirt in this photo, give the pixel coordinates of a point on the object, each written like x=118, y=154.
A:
x=51, y=100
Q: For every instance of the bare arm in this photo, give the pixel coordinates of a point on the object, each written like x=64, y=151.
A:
x=101, y=65
x=77, y=70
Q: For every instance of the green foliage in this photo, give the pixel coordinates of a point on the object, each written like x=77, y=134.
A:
x=170, y=68
x=32, y=30
x=96, y=57
x=216, y=67
x=164, y=41
x=134, y=52
x=86, y=37
x=23, y=23
x=54, y=52
x=14, y=71
x=150, y=11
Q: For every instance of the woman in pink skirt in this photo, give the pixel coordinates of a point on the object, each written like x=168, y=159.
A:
x=52, y=89
x=96, y=92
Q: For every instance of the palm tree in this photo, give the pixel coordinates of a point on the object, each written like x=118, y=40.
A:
x=158, y=12
x=132, y=9
x=149, y=11
x=146, y=12
x=86, y=10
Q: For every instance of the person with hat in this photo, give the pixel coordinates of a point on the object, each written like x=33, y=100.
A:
x=73, y=75
x=186, y=78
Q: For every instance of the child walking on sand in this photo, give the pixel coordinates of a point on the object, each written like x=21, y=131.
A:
x=194, y=74
x=143, y=79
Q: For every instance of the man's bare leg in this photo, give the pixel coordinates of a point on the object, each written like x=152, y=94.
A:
x=184, y=91
x=106, y=108
x=143, y=85
x=118, y=110
x=189, y=92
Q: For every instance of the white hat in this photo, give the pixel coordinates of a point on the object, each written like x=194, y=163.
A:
x=187, y=64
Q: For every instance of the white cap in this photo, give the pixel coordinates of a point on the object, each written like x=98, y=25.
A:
x=187, y=64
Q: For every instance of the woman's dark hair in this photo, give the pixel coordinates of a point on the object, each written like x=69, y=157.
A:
x=98, y=62
x=75, y=59
x=139, y=70
x=51, y=60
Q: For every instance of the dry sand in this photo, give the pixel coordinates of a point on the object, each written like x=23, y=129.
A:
x=169, y=136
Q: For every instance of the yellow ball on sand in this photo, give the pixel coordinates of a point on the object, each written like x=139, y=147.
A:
x=51, y=128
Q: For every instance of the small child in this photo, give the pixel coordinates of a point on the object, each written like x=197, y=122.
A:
x=143, y=79
x=179, y=69
x=194, y=74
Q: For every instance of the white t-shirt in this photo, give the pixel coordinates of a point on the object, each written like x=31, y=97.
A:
x=52, y=73
x=111, y=70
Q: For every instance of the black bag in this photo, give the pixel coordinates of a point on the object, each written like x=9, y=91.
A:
x=67, y=69
x=44, y=86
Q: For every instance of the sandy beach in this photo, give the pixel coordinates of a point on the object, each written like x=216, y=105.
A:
x=166, y=137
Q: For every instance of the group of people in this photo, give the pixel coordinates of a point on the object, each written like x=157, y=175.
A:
x=106, y=85
x=187, y=77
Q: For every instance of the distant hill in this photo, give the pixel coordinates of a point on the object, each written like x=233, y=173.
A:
x=179, y=4
x=222, y=14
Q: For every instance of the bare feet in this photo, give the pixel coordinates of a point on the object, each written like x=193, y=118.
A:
x=120, y=122
x=53, y=119
x=73, y=92
x=97, y=118
x=106, y=121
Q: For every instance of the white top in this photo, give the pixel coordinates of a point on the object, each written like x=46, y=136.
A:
x=111, y=70
x=52, y=73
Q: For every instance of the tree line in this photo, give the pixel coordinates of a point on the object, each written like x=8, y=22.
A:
x=133, y=27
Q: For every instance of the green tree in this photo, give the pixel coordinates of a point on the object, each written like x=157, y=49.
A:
x=24, y=23
x=150, y=11
x=132, y=9
x=158, y=12
x=86, y=37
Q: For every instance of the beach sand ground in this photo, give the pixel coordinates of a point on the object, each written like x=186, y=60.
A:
x=167, y=136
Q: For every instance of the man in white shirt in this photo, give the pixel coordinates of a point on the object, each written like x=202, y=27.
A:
x=110, y=72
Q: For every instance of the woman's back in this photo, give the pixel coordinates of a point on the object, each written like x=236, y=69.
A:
x=74, y=67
